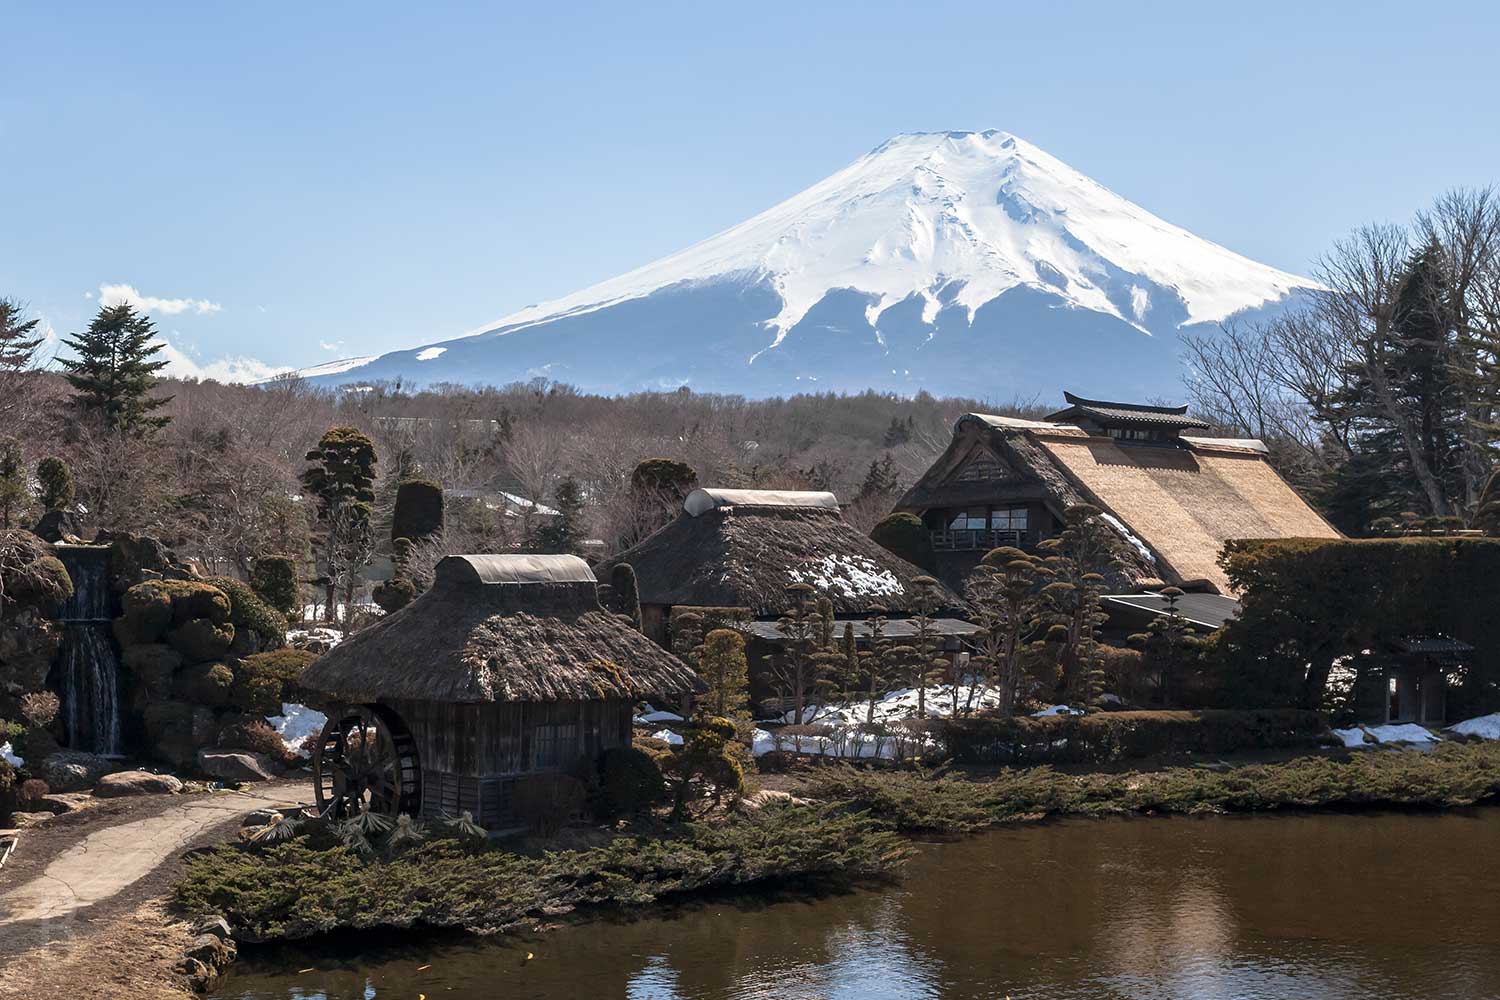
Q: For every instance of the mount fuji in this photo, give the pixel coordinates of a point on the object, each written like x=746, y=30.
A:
x=965, y=263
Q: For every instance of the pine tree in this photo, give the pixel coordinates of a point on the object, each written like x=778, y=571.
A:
x=13, y=492
x=1005, y=592
x=114, y=374
x=922, y=656
x=1077, y=560
x=19, y=339
x=562, y=534
x=796, y=668
x=880, y=480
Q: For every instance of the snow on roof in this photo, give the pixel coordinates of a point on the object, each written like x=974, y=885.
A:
x=1246, y=444
x=1014, y=422
x=701, y=501
x=850, y=575
x=514, y=569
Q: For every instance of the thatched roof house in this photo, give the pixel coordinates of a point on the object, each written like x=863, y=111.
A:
x=507, y=666
x=744, y=548
x=1175, y=497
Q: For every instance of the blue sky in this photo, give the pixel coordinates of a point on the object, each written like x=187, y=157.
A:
x=294, y=183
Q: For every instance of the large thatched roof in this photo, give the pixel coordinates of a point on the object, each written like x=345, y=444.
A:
x=744, y=549
x=1175, y=505
x=501, y=628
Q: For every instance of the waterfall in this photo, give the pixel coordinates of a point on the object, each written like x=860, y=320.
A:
x=89, y=678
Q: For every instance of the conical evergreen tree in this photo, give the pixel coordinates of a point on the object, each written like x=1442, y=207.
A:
x=114, y=374
x=19, y=339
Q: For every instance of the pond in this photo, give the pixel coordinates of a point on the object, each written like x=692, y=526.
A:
x=1388, y=905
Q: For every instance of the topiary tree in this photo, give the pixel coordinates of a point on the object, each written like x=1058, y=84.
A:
x=722, y=667
x=394, y=594
x=56, y=482
x=624, y=593
x=265, y=681
x=706, y=761
x=274, y=580
x=904, y=535
x=419, y=510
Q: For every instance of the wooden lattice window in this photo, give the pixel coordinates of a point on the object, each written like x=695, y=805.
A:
x=982, y=468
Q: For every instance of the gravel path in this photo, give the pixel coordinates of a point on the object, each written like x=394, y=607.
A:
x=110, y=860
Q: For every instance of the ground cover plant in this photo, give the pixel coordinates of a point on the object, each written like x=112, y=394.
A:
x=1453, y=774
x=316, y=880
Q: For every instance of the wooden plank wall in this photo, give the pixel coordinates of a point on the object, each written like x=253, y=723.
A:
x=488, y=740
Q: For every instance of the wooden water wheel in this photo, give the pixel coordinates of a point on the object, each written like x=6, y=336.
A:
x=366, y=760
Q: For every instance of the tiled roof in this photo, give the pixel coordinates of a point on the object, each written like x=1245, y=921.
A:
x=1125, y=413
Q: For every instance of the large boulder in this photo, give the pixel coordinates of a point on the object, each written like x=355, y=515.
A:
x=137, y=558
x=177, y=731
x=73, y=770
x=202, y=639
x=153, y=665
x=59, y=526
x=231, y=765
x=127, y=783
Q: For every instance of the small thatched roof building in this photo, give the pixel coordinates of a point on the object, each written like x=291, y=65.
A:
x=1173, y=496
x=507, y=666
x=744, y=548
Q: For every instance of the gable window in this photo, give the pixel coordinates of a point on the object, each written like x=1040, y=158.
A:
x=981, y=469
x=973, y=519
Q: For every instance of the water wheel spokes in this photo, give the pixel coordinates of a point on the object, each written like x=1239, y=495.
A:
x=365, y=760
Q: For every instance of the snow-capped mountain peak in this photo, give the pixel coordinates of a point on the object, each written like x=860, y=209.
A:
x=931, y=242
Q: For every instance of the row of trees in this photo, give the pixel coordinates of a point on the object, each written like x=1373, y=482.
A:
x=1380, y=393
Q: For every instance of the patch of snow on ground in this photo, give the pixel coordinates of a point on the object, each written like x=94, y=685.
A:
x=1408, y=732
x=655, y=716
x=1057, y=710
x=1140, y=546
x=901, y=704
x=1352, y=738
x=1486, y=727
x=297, y=724
x=428, y=353
x=668, y=736
x=9, y=756
x=324, y=633
x=853, y=576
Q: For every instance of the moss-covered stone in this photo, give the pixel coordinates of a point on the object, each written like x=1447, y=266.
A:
x=153, y=665
x=147, y=614
x=201, y=640
x=204, y=684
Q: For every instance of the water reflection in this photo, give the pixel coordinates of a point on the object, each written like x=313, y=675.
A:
x=1392, y=906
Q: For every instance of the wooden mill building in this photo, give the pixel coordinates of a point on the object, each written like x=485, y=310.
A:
x=1175, y=495
x=506, y=667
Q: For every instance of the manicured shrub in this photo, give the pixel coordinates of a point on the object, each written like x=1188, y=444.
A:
x=194, y=599
x=664, y=474
x=630, y=782
x=625, y=593
x=56, y=482
x=257, y=625
x=204, y=684
x=1110, y=736
x=548, y=802
x=419, y=510
x=274, y=580
x=904, y=535
x=257, y=736
x=202, y=639
x=394, y=594
x=263, y=682
x=706, y=764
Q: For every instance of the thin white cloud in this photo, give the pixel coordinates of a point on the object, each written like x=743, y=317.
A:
x=113, y=295
x=335, y=345
x=180, y=364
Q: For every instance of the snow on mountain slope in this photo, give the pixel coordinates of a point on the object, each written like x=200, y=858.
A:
x=932, y=243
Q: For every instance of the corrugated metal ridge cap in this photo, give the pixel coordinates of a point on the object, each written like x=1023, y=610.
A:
x=701, y=501
x=1255, y=445
x=1017, y=423
x=512, y=569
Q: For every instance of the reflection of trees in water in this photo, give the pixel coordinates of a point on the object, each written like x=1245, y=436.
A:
x=1390, y=905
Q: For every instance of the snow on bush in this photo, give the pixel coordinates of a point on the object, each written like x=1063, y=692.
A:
x=1408, y=732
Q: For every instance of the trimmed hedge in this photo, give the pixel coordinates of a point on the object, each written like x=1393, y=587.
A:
x=1110, y=736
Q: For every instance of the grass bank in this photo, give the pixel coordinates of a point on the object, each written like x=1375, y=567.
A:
x=312, y=884
x=1450, y=775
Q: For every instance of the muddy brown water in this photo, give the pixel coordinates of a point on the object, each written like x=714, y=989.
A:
x=1387, y=905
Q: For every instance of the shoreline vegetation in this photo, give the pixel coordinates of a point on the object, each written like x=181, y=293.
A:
x=854, y=831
